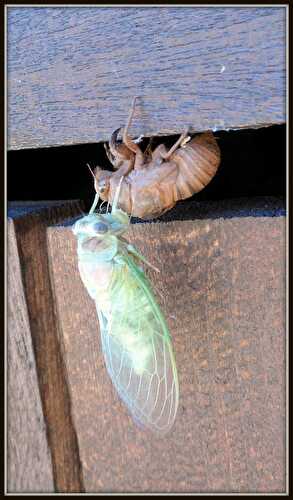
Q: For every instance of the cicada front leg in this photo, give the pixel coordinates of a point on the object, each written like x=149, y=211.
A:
x=109, y=150
x=119, y=154
x=139, y=157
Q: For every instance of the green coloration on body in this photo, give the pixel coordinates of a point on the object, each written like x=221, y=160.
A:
x=135, y=337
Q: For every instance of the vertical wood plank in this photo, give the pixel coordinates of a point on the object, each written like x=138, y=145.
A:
x=29, y=458
x=29, y=224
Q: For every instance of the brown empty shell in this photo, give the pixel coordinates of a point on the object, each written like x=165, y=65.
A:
x=152, y=184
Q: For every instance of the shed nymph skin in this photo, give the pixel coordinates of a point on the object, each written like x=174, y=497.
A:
x=154, y=182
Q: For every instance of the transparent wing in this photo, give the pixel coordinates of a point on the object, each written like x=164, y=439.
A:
x=138, y=351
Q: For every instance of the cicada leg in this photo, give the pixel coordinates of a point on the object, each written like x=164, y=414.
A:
x=139, y=159
x=119, y=154
x=113, y=148
x=177, y=144
x=138, y=255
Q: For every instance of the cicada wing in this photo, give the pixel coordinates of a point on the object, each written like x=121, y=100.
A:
x=140, y=361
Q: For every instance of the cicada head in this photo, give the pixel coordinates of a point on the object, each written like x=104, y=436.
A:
x=102, y=182
x=91, y=226
x=102, y=225
x=96, y=242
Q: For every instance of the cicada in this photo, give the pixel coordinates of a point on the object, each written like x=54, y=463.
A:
x=155, y=180
x=135, y=339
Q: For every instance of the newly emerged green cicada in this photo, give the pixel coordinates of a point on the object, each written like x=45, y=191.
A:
x=135, y=338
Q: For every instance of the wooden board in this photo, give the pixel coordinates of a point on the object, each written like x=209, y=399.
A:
x=42, y=447
x=222, y=288
x=29, y=458
x=72, y=72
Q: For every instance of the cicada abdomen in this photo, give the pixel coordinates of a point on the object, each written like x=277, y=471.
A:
x=197, y=163
x=135, y=339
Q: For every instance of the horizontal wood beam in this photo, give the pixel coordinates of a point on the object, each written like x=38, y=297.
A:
x=72, y=72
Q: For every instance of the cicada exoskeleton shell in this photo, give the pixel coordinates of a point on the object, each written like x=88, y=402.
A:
x=154, y=181
x=197, y=162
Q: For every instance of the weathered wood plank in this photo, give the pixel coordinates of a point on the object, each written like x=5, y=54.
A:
x=222, y=287
x=72, y=72
x=32, y=321
x=29, y=459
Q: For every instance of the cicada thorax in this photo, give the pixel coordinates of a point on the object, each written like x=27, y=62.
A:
x=144, y=193
x=128, y=313
x=96, y=267
x=197, y=164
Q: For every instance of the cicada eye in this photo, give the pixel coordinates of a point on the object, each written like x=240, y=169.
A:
x=100, y=227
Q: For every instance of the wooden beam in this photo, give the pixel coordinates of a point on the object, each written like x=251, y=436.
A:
x=222, y=288
x=72, y=72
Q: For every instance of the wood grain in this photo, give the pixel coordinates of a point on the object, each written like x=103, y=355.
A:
x=72, y=72
x=222, y=288
x=29, y=458
x=32, y=323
